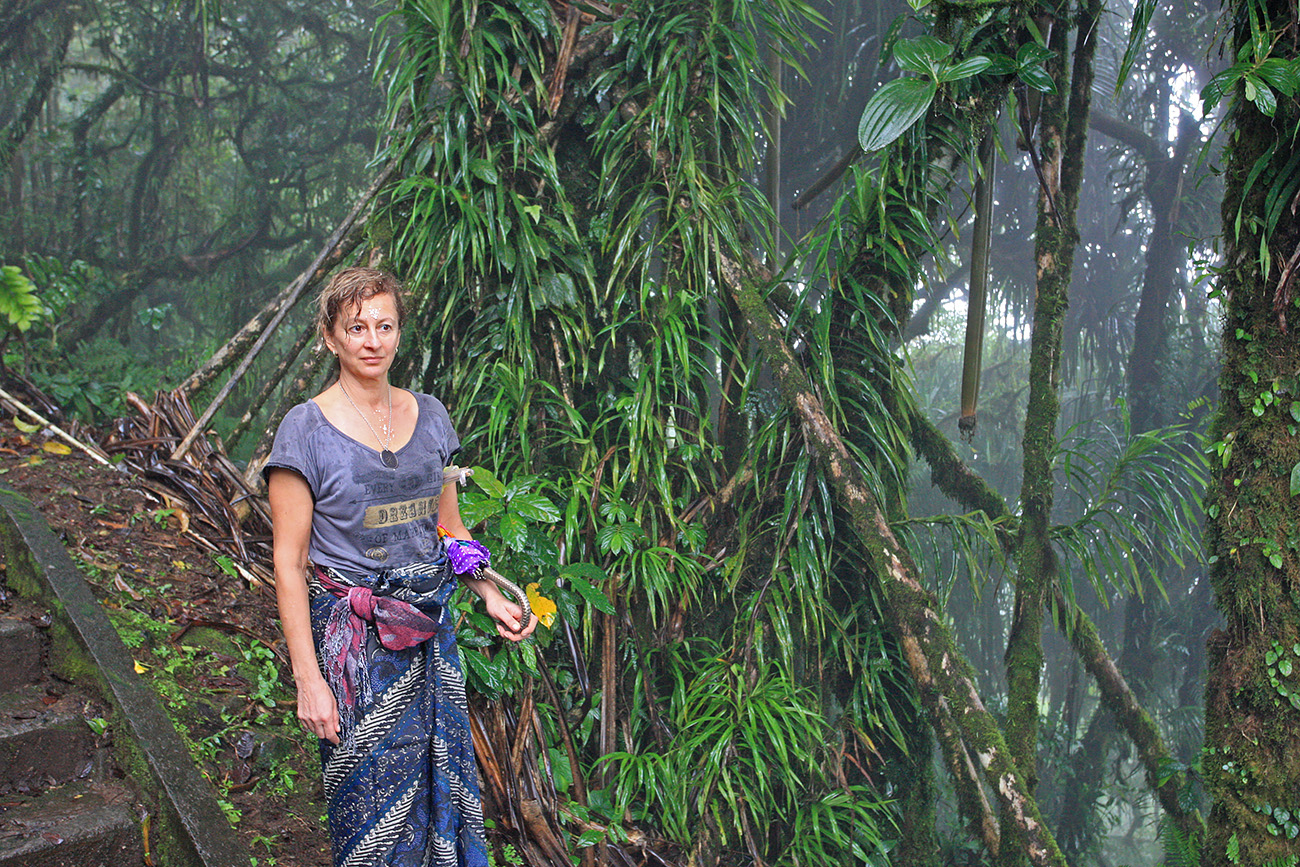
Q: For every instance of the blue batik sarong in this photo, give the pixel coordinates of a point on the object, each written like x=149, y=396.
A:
x=401, y=787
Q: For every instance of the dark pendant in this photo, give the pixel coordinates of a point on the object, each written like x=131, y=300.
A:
x=389, y=459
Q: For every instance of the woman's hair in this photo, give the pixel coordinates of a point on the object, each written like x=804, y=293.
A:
x=348, y=288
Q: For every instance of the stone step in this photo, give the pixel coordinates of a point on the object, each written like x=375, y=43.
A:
x=20, y=653
x=45, y=739
x=77, y=825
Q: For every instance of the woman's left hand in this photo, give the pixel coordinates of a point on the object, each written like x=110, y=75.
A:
x=507, y=615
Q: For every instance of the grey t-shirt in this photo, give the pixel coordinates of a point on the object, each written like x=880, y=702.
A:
x=367, y=516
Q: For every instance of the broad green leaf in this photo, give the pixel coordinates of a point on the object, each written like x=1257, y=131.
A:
x=1214, y=92
x=589, y=571
x=566, y=605
x=491, y=485
x=476, y=510
x=422, y=157
x=924, y=54
x=969, y=67
x=506, y=256
x=577, y=574
x=1001, y=64
x=490, y=674
x=556, y=291
x=519, y=484
x=514, y=531
x=609, y=539
x=1032, y=53
x=538, y=14
x=484, y=171
x=1261, y=94
x=1037, y=77
x=1280, y=74
x=534, y=507
x=589, y=838
x=528, y=653
x=892, y=111
x=1295, y=481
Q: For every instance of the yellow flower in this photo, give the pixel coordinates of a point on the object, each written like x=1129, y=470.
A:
x=543, y=608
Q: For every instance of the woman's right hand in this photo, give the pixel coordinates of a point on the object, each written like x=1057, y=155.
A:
x=317, y=710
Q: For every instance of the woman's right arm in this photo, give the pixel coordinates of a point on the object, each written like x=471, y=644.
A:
x=291, y=509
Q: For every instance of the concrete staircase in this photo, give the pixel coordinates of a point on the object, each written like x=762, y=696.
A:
x=62, y=801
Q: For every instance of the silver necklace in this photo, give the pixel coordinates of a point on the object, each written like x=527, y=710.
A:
x=386, y=455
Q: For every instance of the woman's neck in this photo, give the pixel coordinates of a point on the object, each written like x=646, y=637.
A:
x=372, y=393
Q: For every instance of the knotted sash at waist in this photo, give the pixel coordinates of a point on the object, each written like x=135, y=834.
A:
x=406, y=606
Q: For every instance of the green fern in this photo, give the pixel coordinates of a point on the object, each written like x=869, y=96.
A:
x=1283, y=861
x=18, y=301
x=1181, y=848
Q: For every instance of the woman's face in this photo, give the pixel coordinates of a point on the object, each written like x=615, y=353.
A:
x=365, y=338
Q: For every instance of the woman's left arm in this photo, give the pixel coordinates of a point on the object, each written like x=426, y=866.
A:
x=506, y=613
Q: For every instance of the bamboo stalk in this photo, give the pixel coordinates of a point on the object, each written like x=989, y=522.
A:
x=977, y=302
x=272, y=382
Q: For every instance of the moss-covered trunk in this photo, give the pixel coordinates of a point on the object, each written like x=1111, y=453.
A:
x=943, y=676
x=1064, y=125
x=1252, y=713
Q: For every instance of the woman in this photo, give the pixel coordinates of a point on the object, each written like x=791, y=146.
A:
x=362, y=585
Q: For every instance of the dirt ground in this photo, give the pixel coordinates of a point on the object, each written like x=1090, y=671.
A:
x=137, y=557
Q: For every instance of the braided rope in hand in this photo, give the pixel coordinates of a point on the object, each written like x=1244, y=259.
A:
x=475, y=564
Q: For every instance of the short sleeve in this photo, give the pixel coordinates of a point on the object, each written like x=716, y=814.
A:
x=440, y=427
x=294, y=447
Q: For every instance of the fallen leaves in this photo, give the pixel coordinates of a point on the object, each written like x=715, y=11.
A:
x=120, y=585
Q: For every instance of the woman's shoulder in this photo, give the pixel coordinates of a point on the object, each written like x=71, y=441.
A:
x=301, y=419
x=434, y=417
x=430, y=403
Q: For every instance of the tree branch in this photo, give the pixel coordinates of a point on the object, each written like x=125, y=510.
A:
x=1126, y=134
x=16, y=131
x=937, y=664
x=969, y=490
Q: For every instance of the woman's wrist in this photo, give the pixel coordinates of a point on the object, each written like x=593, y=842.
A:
x=482, y=587
x=307, y=674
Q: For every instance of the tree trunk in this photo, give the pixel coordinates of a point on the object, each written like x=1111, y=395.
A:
x=954, y=478
x=939, y=669
x=1064, y=134
x=1252, y=739
x=13, y=135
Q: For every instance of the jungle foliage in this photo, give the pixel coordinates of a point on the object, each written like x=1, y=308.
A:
x=165, y=164
x=704, y=419
x=579, y=212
